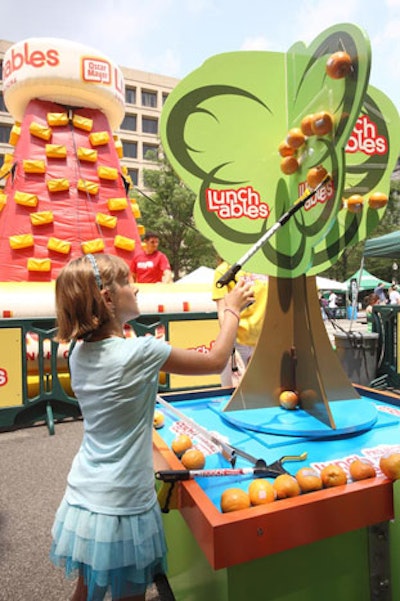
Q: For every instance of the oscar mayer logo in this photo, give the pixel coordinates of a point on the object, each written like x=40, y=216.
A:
x=365, y=138
x=25, y=56
x=96, y=70
x=234, y=204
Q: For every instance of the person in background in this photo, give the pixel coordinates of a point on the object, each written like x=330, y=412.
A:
x=323, y=303
x=381, y=292
x=150, y=265
x=251, y=320
x=108, y=529
x=332, y=304
x=373, y=300
x=394, y=295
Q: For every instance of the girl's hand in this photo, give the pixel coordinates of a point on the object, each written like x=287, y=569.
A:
x=241, y=296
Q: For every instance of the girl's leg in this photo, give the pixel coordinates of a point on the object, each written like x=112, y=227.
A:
x=80, y=592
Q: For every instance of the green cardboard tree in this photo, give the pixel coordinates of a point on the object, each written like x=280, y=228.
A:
x=226, y=128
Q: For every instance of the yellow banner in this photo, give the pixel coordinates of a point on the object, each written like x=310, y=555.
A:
x=201, y=335
x=10, y=367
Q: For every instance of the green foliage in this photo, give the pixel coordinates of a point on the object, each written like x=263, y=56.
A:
x=168, y=210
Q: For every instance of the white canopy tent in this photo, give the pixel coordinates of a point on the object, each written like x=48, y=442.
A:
x=205, y=275
x=327, y=284
x=201, y=275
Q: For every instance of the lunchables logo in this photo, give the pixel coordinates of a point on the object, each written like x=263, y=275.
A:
x=365, y=138
x=25, y=56
x=96, y=70
x=234, y=204
x=322, y=196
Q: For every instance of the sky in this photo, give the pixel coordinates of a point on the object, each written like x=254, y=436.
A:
x=174, y=37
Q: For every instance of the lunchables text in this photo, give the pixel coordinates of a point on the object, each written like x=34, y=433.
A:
x=365, y=138
x=234, y=204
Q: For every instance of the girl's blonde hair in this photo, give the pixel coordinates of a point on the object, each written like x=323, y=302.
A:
x=80, y=307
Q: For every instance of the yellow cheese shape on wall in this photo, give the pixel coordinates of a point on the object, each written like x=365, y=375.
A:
x=58, y=185
x=118, y=147
x=110, y=173
x=87, y=154
x=57, y=119
x=93, y=246
x=60, y=246
x=82, y=122
x=40, y=131
x=99, y=138
x=117, y=204
x=25, y=199
x=135, y=210
x=21, y=241
x=86, y=186
x=39, y=264
x=56, y=151
x=124, y=242
x=42, y=217
x=106, y=220
x=14, y=134
x=34, y=166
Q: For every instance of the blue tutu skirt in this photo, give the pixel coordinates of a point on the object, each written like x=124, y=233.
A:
x=122, y=554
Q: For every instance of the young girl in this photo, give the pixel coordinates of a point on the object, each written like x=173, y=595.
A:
x=108, y=529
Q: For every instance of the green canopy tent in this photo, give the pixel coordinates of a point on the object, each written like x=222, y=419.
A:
x=384, y=246
x=365, y=280
x=386, y=322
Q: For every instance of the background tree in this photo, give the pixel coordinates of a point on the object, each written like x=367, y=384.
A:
x=167, y=208
x=351, y=259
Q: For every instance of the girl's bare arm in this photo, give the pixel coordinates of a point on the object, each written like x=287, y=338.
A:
x=191, y=362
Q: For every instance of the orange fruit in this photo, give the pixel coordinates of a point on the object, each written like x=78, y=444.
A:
x=377, y=200
x=338, y=65
x=285, y=486
x=193, y=459
x=322, y=123
x=333, y=475
x=181, y=443
x=285, y=150
x=308, y=479
x=261, y=492
x=315, y=175
x=360, y=469
x=355, y=203
x=158, y=419
x=289, y=165
x=288, y=399
x=390, y=465
x=305, y=125
x=295, y=138
x=233, y=499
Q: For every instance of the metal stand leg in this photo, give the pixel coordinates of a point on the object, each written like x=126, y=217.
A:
x=379, y=562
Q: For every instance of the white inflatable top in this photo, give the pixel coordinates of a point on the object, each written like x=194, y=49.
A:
x=64, y=72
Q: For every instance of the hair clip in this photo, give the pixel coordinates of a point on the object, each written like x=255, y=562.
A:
x=96, y=271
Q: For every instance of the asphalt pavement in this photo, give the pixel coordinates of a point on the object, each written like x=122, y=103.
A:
x=33, y=471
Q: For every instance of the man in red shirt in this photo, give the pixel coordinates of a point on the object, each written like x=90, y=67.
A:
x=150, y=265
